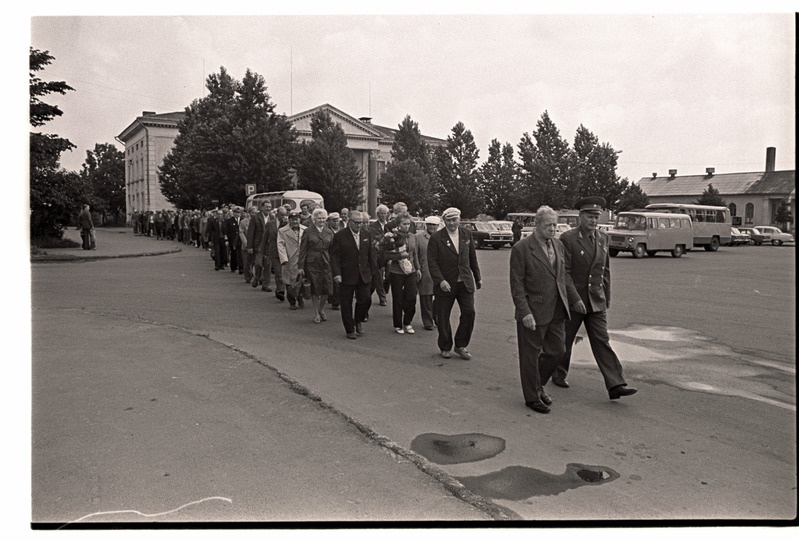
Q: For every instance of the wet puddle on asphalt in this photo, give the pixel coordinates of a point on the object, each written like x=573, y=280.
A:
x=457, y=448
x=520, y=482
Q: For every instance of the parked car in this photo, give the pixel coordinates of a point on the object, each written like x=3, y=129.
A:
x=604, y=227
x=487, y=234
x=738, y=237
x=755, y=237
x=561, y=228
x=774, y=234
x=504, y=225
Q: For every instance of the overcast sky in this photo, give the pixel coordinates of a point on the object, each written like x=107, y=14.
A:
x=670, y=91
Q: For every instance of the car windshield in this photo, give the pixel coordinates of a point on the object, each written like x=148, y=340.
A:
x=485, y=226
x=631, y=222
x=503, y=226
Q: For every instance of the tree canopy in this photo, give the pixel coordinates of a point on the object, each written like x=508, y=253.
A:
x=632, y=197
x=104, y=174
x=227, y=139
x=456, y=165
x=55, y=193
x=711, y=196
x=498, y=180
x=328, y=166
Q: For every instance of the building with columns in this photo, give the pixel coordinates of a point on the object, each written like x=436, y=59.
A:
x=149, y=138
x=753, y=198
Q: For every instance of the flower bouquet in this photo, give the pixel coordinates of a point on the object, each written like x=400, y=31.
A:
x=394, y=241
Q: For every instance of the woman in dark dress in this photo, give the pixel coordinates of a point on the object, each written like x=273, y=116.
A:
x=314, y=261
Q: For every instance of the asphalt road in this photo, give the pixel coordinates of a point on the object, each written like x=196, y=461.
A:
x=708, y=339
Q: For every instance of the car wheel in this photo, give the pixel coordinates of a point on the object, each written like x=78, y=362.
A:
x=613, y=253
x=776, y=242
x=678, y=251
x=640, y=250
x=713, y=246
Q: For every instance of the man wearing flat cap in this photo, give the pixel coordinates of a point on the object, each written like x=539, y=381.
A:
x=588, y=286
x=452, y=260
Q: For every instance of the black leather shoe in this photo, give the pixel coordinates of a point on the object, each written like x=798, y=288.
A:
x=359, y=328
x=545, y=399
x=538, y=406
x=561, y=383
x=351, y=335
x=621, y=390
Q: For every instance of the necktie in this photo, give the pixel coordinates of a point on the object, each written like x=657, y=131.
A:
x=550, y=252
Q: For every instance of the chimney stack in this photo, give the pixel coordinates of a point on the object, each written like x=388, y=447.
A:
x=366, y=119
x=654, y=175
x=771, y=158
x=147, y=113
x=710, y=171
x=672, y=173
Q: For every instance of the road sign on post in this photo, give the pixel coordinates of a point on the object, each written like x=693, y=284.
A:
x=249, y=189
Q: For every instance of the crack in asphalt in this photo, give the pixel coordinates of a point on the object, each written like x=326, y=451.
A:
x=451, y=484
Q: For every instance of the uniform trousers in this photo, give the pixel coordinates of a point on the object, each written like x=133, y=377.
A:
x=596, y=327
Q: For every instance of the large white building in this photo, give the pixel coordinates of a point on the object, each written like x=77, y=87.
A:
x=150, y=137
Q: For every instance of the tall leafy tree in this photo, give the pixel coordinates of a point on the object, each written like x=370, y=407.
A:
x=227, y=139
x=711, y=196
x=633, y=197
x=328, y=166
x=409, y=177
x=104, y=172
x=458, y=175
x=410, y=145
x=594, y=169
x=55, y=193
x=545, y=168
x=406, y=181
x=498, y=182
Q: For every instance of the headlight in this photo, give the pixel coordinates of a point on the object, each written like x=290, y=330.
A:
x=630, y=240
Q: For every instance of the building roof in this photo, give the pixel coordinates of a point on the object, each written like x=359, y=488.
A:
x=774, y=182
x=165, y=120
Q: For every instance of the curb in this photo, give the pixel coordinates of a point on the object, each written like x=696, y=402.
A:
x=69, y=258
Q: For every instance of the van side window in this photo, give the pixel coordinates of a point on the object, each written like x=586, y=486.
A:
x=675, y=222
x=686, y=223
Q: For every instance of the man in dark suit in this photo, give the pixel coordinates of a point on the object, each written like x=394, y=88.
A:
x=232, y=237
x=216, y=238
x=255, y=233
x=353, y=260
x=538, y=288
x=588, y=278
x=378, y=229
x=268, y=249
x=452, y=261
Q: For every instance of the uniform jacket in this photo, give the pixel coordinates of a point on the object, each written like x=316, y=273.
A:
x=587, y=269
x=288, y=250
x=534, y=284
x=447, y=264
x=426, y=283
x=352, y=263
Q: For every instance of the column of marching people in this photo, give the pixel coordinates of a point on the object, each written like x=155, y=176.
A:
x=340, y=259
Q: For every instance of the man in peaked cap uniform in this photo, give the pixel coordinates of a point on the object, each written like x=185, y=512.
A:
x=588, y=286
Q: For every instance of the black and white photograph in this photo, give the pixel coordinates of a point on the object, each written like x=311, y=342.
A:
x=393, y=270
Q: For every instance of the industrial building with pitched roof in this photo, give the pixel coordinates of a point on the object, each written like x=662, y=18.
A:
x=753, y=198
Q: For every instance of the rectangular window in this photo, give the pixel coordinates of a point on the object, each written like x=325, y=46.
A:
x=663, y=223
x=675, y=222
